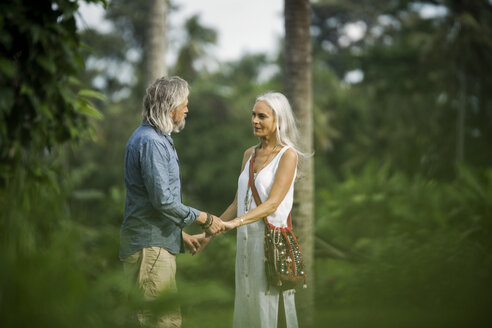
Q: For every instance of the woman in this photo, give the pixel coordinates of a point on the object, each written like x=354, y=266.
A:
x=275, y=167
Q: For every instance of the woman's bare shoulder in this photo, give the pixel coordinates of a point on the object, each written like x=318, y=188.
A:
x=248, y=151
x=290, y=155
x=247, y=154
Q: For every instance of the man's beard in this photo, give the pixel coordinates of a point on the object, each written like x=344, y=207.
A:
x=180, y=126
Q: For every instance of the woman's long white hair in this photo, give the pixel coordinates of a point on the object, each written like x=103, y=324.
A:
x=287, y=134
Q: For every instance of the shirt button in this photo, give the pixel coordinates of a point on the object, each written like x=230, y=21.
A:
x=246, y=275
x=245, y=238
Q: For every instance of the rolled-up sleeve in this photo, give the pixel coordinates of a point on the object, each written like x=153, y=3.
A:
x=155, y=167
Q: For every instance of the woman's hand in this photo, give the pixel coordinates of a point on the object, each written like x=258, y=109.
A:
x=229, y=225
x=237, y=222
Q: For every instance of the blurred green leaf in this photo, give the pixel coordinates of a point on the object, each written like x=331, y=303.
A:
x=89, y=110
x=7, y=67
x=92, y=94
x=46, y=63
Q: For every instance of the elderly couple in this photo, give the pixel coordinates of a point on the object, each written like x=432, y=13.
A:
x=152, y=230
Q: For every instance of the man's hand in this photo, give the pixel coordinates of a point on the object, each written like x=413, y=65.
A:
x=216, y=227
x=196, y=243
x=192, y=242
x=204, y=240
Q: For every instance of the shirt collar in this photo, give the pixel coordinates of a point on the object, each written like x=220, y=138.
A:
x=168, y=137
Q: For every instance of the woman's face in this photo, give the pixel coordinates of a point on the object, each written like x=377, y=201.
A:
x=263, y=120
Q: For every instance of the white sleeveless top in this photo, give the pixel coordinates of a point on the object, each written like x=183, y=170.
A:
x=264, y=182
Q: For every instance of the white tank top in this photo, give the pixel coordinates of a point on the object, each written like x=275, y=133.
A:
x=264, y=182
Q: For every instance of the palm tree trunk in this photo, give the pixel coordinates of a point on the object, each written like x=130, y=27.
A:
x=298, y=90
x=157, y=40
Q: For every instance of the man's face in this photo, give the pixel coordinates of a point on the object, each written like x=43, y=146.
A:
x=179, y=115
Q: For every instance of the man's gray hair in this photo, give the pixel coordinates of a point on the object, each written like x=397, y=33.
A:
x=161, y=98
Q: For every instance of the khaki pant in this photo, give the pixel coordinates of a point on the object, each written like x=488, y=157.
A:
x=154, y=270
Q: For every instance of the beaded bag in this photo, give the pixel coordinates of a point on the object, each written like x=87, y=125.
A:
x=284, y=264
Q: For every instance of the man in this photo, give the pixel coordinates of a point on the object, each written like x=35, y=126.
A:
x=151, y=233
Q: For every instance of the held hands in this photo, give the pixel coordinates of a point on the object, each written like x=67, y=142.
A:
x=213, y=226
x=222, y=226
x=210, y=223
x=229, y=225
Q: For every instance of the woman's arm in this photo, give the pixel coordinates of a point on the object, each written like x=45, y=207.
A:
x=283, y=179
x=231, y=211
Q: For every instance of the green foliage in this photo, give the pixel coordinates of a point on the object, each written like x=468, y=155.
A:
x=49, y=276
x=416, y=244
x=419, y=74
x=41, y=106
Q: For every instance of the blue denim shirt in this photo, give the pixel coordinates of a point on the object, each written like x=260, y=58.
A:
x=154, y=214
